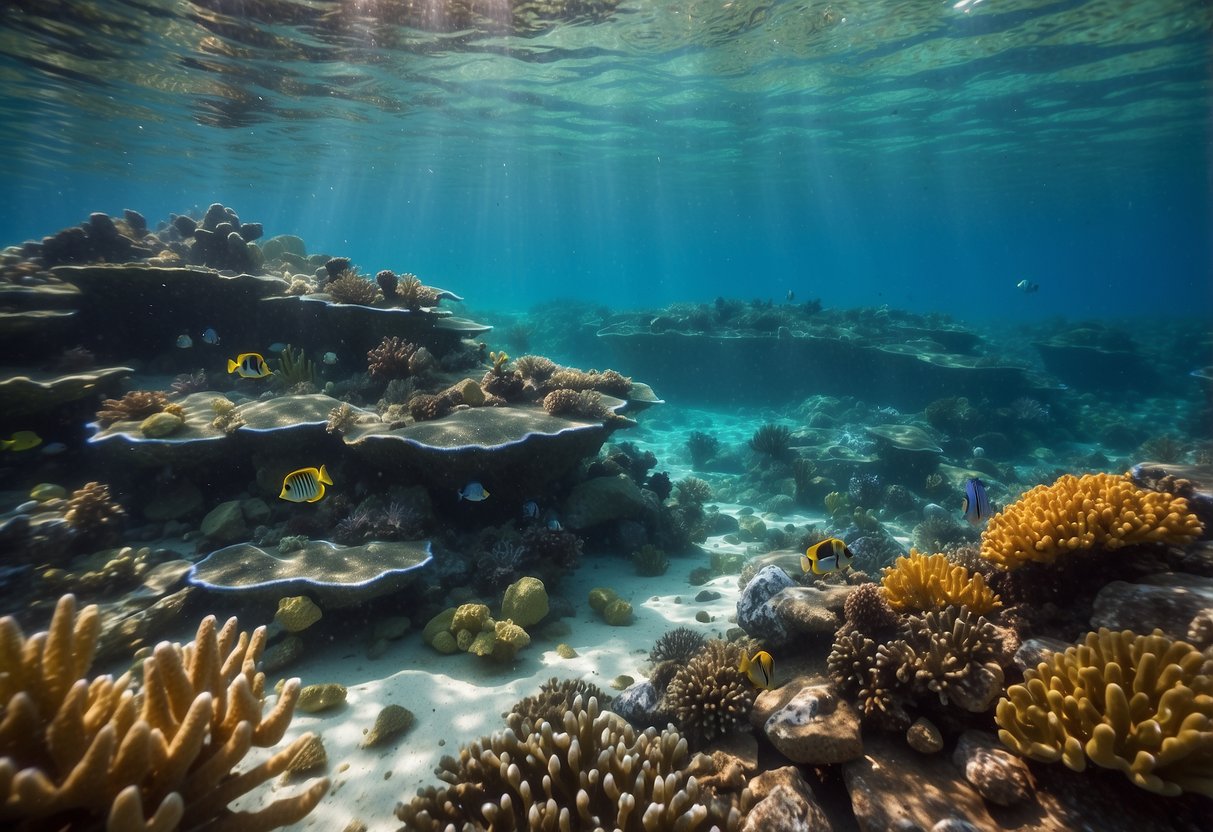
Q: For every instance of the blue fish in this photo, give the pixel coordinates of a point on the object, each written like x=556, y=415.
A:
x=473, y=491
x=210, y=336
x=976, y=505
x=530, y=510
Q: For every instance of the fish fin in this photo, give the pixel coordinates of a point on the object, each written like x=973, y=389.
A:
x=232, y=366
x=806, y=565
x=324, y=476
x=484, y=491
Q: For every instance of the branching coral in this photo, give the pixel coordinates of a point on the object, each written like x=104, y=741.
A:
x=390, y=359
x=555, y=698
x=921, y=582
x=535, y=368
x=413, y=294
x=94, y=515
x=1094, y=510
x=133, y=406
x=852, y=665
x=607, y=381
x=352, y=287
x=584, y=404
x=709, y=696
x=341, y=419
x=76, y=753
x=1140, y=704
x=949, y=653
x=591, y=771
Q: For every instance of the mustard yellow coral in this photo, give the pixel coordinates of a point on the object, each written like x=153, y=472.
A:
x=1139, y=704
x=1104, y=510
x=931, y=582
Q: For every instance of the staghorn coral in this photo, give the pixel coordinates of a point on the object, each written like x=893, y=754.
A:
x=591, y=771
x=390, y=360
x=555, y=698
x=1094, y=510
x=94, y=515
x=76, y=753
x=709, y=696
x=136, y=405
x=921, y=582
x=677, y=645
x=693, y=491
x=1140, y=704
x=771, y=440
x=351, y=287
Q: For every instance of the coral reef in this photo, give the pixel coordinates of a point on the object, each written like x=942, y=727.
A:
x=227, y=417
x=1095, y=510
x=702, y=447
x=709, y=696
x=412, y=294
x=867, y=611
x=608, y=381
x=390, y=360
x=555, y=698
x=535, y=368
x=772, y=440
x=294, y=368
x=352, y=287
x=341, y=419
x=76, y=753
x=136, y=405
x=921, y=582
x=1140, y=704
x=591, y=771
x=586, y=404
x=94, y=516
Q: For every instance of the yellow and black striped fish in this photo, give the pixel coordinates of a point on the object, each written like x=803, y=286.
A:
x=827, y=556
x=249, y=365
x=305, y=485
x=759, y=669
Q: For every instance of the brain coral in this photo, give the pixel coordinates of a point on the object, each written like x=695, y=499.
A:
x=1140, y=704
x=1104, y=510
x=922, y=582
x=594, y=771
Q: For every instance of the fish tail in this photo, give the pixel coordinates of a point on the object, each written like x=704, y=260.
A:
x=232, y=366
x=744, y=665
x=324, y=476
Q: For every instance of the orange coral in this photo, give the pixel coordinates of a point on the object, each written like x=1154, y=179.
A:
x=1094, y=510
x=133, y=406
x=921, y=582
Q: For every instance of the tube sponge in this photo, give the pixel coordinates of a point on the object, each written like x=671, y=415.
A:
x=922, y=582
x=1139, y=704
x=1104, y=510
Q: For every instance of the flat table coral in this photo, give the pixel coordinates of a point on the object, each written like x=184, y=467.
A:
x=1139, y=704
x=1094, y=510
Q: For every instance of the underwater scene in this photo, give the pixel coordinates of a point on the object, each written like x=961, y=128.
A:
x=641, y=415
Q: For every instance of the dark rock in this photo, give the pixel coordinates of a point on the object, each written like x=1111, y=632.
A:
x=135, y=221
x=638, y=704
x=1033, y=651
x=707, y=595
x=812, y=725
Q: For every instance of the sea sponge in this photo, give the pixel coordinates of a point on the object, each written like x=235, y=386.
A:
x=78, y=753
x=921, y=582
x=1139, y=704
x=352, y=287
x=608, y=381
x=709, y=696
x=590, y=771
x=1094, y=510
x=677, y=645
x=136, y=405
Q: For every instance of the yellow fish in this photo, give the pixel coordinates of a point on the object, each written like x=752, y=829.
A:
x=22, y=440
x=827, y=556
x=249, y=365
x=759, y=669
x=305, y=485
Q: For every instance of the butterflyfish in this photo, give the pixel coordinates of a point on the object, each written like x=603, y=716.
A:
x=305, y=485
x=249, y=365
x=473, y=491
x=22, y=440
x=759, y=669
x=976, y=505
x=829, y=555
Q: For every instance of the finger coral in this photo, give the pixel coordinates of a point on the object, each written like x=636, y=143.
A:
x=1094, y=510
x=949, y=653
x=591, y=771
x=709, y=696
x=1140, y=704
x=136, y=405
x=76, y=753
x=922, y=582
x=555, y=697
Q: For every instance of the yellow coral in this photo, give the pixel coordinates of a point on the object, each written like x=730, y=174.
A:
x=1139, y=704
x=922, y=582
x=1103, y=510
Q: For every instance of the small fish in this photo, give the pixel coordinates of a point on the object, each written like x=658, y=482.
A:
x=184, y=341
x=22, y=440
x=53, y=448
x=305, y=485
x=249, y=365
x=976, y=505
x=473, y=491
x=827, y=556
x=1027, y=287
x=530, y=510
x=554, y=524
x=329, y=358
x=759, y=669
x=791, y=296
x=277, y=346
x=210, y=336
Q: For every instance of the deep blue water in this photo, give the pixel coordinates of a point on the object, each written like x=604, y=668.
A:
x=925, y=156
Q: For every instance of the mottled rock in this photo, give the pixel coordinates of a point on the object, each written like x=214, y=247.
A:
x=224, y=523
x=997, y=774
x=755, y=612
x=815, y=727
x=638, y=704
x=315, y=698
x=785, y=801
x=1168, y=601
x=255, y=510
x=1033, y=651
x=805, y=610
x=923, y=736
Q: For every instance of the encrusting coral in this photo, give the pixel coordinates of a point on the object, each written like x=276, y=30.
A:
x=1140, y=704
x=591, y=771
x=709, y=696
x=922, y=582
x=75, y=752
x=1094, y=510
x=136, y=405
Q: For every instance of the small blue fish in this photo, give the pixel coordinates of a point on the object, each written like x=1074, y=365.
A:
x=473, y=491
x=530, y=510
x=329, y=358
x=976, y=505
x=759, y=669
x=554, y=524
x=210, y=336
x=54, y=448
x=184, y=341
x=829, y=555
x=1027, y=287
